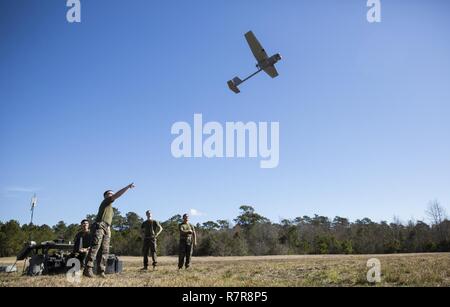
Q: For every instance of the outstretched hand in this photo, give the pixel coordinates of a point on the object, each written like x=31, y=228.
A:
x=122, y=191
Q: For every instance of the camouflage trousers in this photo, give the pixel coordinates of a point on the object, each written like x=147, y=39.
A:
x=100, y=242
x=149, y=246
x=185, y=252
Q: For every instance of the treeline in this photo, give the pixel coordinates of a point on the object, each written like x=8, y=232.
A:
x=253, y=234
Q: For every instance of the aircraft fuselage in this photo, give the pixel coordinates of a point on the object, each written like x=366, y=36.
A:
x=271, y=61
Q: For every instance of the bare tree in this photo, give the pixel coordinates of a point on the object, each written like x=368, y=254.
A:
x=435, y=212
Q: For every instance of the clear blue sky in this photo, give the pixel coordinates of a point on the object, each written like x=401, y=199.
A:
x=363, y=108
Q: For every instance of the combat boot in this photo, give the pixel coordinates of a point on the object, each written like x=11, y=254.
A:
x=88, y=272
x=102, y=275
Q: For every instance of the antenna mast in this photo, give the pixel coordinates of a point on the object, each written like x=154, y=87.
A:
x=33, y=204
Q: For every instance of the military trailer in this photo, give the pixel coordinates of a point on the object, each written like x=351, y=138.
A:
x=51, y=257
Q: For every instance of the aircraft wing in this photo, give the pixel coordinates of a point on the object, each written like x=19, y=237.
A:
x=271, y=71
x=257, y=50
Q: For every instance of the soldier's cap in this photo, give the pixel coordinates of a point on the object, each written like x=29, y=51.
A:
x=104, y=193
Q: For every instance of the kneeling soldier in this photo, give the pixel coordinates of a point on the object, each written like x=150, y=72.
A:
x=82, y=243
x=150, y=230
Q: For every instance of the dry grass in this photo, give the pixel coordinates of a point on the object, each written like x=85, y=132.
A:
x=329, y=270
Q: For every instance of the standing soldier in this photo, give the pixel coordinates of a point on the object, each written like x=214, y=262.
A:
x=150, y=230
x=102, y=232
x=188, y=240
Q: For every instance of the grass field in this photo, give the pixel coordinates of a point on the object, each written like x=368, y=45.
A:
x=326, y=270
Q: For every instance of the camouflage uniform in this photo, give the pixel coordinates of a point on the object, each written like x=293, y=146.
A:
x=101, y=235
x=150, y=228
x=186, y=245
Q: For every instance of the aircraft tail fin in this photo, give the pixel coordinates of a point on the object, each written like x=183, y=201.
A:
x=233, y=84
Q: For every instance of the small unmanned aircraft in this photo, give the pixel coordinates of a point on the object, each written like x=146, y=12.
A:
x=265, y=62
